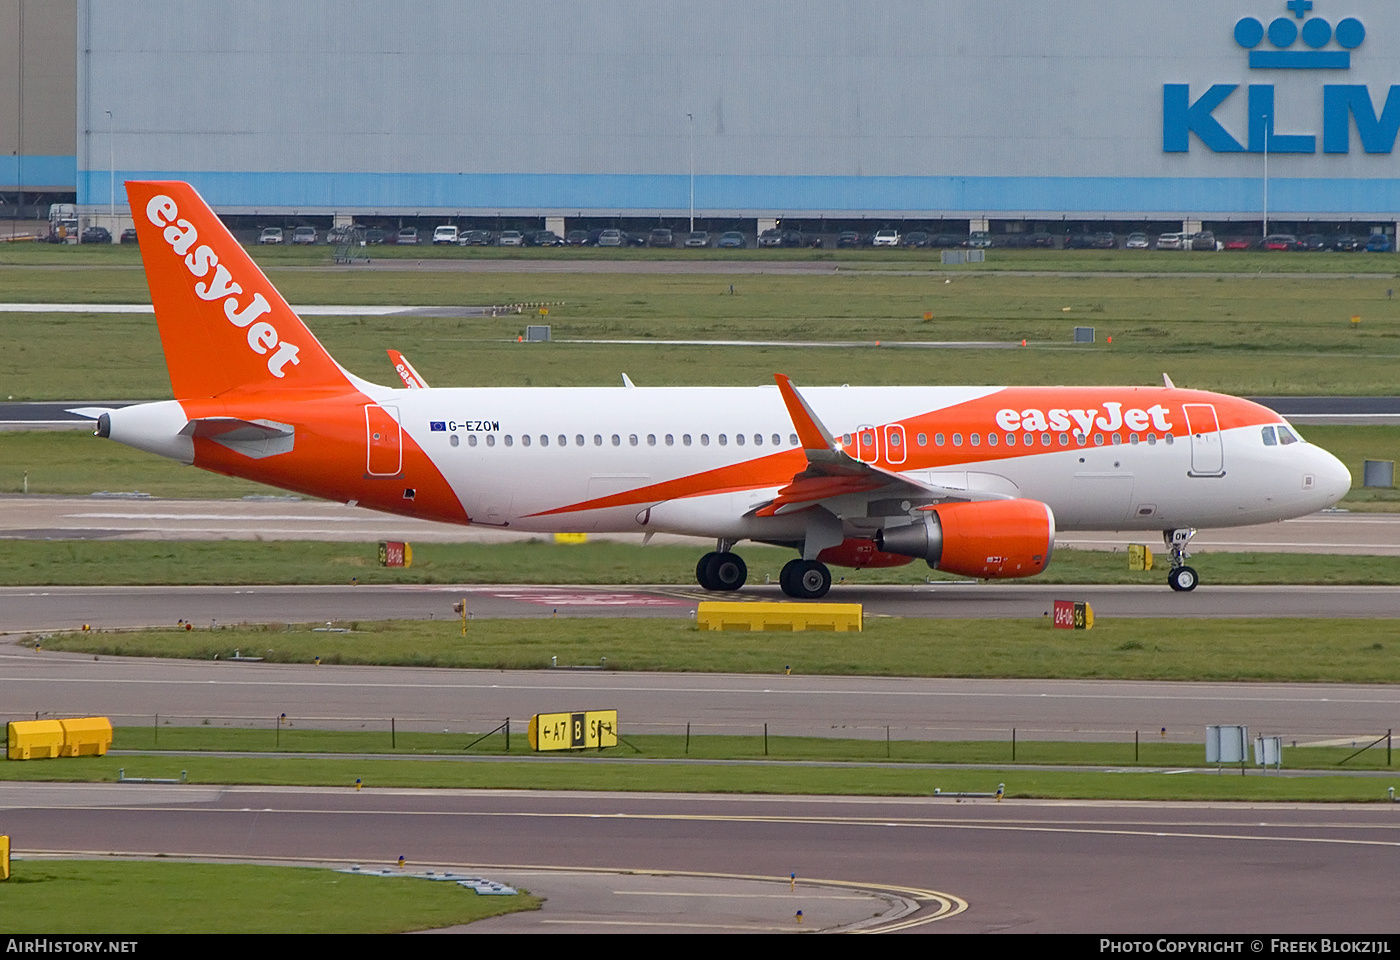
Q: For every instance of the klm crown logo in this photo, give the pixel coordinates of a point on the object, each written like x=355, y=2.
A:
x=1323, y=47
x=1315, y=33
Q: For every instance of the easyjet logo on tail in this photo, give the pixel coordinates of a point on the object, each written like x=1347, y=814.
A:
x=263, y=338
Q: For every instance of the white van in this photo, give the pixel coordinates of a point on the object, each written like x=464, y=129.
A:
x=445, y=234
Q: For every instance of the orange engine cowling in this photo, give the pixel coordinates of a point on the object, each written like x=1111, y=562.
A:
x=861, y=553
x=987, y=539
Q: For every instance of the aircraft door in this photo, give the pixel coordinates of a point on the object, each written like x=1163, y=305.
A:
x=384, y=456
x=1207, y=452
x=867, y=443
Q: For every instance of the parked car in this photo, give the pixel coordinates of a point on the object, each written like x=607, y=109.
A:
x=544, y=238
x=475, y=238
x=1205, y=240
x=611, y=238
x=407, y=236
x=732, y=240
x=1105, y=240
x=1346, y=243
x=950, y=241
x=1040, y=239
x=697, y=238
x=129, y=235
x=979, y=240
x=1238, y=243
x=1315, y=243
x=661, y=237
x=918, y=240
x=374, y=236
x=772, y=237
x=1079, y=241
x=1281, y=241
x=510, y=238
x=885, y=238
x=636, y=239
x=1378, y=243
x=446, y=233
x=1171, y=241
x=576, y=238
x=96, y=235
x=304, y=235
x=848, y=238
x=270, y=235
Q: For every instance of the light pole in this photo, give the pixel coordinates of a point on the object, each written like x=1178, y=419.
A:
x=690, y=126
x=111, y=167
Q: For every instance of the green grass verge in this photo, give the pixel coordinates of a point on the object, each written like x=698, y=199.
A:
x=140, y=897
x=1237, y=334
x=221, y=737
x=236, y=562
x=891, y=780
x=1277, y=650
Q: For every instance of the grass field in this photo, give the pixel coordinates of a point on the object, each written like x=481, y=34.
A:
x=602, y=773
x=140, y=897
x=1275, y=650
x=1242, y=334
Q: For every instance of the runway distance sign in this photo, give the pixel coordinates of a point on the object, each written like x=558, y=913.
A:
x=1073, y=615
x=573, y=731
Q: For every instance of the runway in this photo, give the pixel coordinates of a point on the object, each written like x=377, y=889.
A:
x=979, y=866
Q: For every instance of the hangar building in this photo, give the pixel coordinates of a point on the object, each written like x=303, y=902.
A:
x=1030, y=110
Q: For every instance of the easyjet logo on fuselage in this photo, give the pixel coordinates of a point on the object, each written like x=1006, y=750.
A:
x=1114, y=417
x=263, y=338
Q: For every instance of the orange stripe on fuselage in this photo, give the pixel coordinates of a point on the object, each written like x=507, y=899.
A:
x=978, y=417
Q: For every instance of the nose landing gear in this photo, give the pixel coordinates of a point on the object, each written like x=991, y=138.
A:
x=1181, y=578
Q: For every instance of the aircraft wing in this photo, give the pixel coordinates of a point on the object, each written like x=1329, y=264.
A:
x=832, y=473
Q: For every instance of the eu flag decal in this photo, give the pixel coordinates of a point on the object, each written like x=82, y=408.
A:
x=437, y=425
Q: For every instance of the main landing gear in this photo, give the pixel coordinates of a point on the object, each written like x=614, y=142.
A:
x=1181, y=578
x=723, y=571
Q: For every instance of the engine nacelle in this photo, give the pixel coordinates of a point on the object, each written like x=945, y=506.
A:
x=988, y=539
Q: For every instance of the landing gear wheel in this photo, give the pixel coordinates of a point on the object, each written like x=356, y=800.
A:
x=721, y=571
x=726, y=571
x=702, y=572
x=805, y=579
x=1183, y=579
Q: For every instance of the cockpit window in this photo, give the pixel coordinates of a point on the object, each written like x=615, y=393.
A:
x=1269, y=439
x=1285, y=436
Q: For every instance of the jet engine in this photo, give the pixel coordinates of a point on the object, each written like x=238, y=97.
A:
x=987, y=539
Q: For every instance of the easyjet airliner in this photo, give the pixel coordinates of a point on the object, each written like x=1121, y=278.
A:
x=972, y=480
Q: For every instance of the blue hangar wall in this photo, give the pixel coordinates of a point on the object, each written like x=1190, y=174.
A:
x=963, y=108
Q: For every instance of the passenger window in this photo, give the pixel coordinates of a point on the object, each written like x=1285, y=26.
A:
x=923, y=439
x=509, y=441
x=1098, y=439
x=739, y=439
x=1064, y=439
x=777, y=440
x=845, y=439
x=704, y=439
x=1152, y=439
x=957, y=439
x=632, y=439
x=471, y=439
x=1169, y=438
x=1045, y=439
x=895, y=441
x=685, y=439
x=651, y=439
x=617, y=441
x=525, y=440
x=1133, y=438
x=1011, y=439
x=991, y=439
x=490, y=439
x=792, y=439
x=758, y=439
x=1029, y=439
x=578, y=440
x=938, y=439
x=975, y=439
x=1117, y=439
x=597, y=439
x=544, y=440
x=563, y=440
x=670, y=440
x=1285, y=436
x=723, y=440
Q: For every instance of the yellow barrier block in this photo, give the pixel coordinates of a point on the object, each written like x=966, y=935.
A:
x=4, y=857
x=33, y=739
x=724, y=615
x=44, y=739
x=86, y=737
x=571, y=538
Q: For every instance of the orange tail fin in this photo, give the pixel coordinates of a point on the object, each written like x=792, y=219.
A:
x=222, y=324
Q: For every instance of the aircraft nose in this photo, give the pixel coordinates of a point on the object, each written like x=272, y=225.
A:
x=1333, y=478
